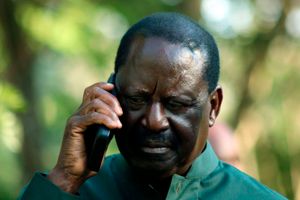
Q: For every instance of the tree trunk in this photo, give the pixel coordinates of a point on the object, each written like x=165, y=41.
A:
x=190, y=8
x=19, y=73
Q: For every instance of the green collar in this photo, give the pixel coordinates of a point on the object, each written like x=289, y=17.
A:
x=204, y=164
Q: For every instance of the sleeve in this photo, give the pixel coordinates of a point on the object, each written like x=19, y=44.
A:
x=41, y=188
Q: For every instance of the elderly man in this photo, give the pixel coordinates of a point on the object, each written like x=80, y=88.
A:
x=167, y=97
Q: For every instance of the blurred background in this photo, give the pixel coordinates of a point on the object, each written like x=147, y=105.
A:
x=50, y=50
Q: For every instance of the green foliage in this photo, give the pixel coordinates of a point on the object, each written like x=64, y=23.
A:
x=74, y=45
x=11, y=98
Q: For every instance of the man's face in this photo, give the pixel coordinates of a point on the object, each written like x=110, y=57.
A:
x=166, y=107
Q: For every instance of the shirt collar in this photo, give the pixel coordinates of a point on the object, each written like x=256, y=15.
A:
x=204, y=164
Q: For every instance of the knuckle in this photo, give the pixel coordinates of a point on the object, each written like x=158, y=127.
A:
x=101, y=84
x=94, y=116
x=96, y=102
x=73, y=120
x=86, y=91
x=98, y=92
x=114, y=100
x=99, y=118
x=94, y=90
x=98, y=106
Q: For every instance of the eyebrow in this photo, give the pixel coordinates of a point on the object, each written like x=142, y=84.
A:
x=136, y=92
x=187, y=99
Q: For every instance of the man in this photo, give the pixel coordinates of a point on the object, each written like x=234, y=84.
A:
x=167, y=97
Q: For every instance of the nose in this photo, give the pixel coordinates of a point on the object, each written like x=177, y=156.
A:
x=155, y=118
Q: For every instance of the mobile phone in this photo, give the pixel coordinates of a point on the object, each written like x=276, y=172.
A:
x=97, y=138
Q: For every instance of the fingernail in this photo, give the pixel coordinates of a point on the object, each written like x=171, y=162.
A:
x=120, y=124
x=120, y=112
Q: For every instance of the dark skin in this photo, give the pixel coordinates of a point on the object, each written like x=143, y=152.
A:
x=164, y=108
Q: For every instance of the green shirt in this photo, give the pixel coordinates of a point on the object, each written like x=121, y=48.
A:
x=208, y=178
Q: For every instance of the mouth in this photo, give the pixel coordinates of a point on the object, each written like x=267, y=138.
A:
x=155, y=150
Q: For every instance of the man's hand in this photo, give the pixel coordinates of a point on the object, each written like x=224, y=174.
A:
x=98, y=107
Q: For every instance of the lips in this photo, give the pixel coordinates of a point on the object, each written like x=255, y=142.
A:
x=147, y=142
x=156, y=147
x=155, y=150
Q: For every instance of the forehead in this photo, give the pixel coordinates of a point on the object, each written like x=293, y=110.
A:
x=157, y=61
x=174, y=56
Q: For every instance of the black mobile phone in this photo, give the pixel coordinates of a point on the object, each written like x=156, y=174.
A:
x=97, y=138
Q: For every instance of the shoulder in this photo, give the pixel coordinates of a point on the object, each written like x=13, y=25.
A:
x=105, y=179
x=111, y=160
x=111, y=165
x=231, y=179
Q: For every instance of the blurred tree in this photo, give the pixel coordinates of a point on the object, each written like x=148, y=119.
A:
x=50, y=50
x=249, y=33
x=19, y=73
x=253, y=55
x=190, y=8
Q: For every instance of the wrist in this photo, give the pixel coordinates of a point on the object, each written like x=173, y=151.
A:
x=65, y=181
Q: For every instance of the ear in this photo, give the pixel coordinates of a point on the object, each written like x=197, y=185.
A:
x=216, y=98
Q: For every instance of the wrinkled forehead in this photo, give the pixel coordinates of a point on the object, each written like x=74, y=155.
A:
x=155, y=60
x=165, y=57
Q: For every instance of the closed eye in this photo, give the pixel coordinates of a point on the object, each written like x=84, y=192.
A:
x=176, y=105
x=135, y=102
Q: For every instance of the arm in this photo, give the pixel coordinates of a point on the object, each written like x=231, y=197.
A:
x=70, y=172
x=41, y=188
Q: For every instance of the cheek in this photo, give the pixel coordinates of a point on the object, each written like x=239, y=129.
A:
x=191, y=132
x=187, y=128
x=130, y=117
x=202, y=130
x=125, y=135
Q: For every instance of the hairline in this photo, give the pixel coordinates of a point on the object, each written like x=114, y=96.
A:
x=209, y=49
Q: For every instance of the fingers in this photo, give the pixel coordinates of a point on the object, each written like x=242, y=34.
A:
x=98, y=106
x=101, y=91
x=79, y=123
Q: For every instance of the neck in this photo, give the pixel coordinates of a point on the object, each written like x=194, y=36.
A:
x=157, y=184
x=161, y=187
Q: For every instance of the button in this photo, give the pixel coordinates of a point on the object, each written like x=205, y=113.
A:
x=178, y=187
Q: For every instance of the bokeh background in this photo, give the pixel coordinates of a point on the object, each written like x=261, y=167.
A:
x=50, y=50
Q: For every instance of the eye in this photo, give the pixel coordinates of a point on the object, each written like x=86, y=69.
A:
x=175, y=105
x=135, y=102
